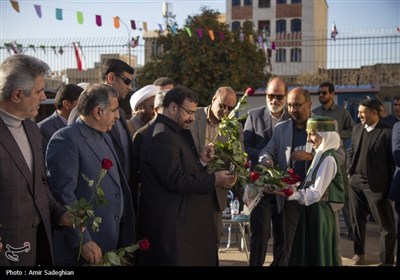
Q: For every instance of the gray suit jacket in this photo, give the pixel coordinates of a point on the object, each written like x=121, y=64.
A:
x=85, y=154
x=24, y=196
x=49, y=126
x=258, y=131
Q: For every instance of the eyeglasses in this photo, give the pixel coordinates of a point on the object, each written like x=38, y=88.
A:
x=277, y=96
x=190, y=113
x=223, y=106
x=323, y=92
x=396, y=104
x=126, y=80
x=297, y=105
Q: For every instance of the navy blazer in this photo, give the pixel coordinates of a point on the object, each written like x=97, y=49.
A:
x=80, y=143
x=49, y=126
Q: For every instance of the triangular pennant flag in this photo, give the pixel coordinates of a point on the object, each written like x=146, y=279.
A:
x=98, y=21
x=79, y=17
x=15, y=48
x=43, y=48
x=160, y=27
x=199, y=32
x=135, y=42
x=116, y=22
x=334, y=32
x=38, y=10
x=133, y=25
x=15, y=5
x=211, y=34
x=221, y=36
x=145, y=26
x=19, y=47
x=273, y=46
x=54, y=49
x=59, y=14
x=32, y=47
x=61, y=51
x=80, y=59
x=241, y=36
x=188, y=31
x=398, y=29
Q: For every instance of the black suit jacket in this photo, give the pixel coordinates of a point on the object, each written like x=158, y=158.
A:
x=379, y=159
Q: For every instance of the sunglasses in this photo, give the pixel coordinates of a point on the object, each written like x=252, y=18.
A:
x=323, y=92
x=126, y=80
x=223, y=106
x=276, y=96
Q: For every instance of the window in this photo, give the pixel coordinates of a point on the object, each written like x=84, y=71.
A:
x=263, y=26
x=235, y=2
x=296, y=1
x=248, y=2
x=281, y=55
x=280, y=1
x=280, y=26
x=264, y=3
x=235, y=26
x=295, y=55
x=295, y=25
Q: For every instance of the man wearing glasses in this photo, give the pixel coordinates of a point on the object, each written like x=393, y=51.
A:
x=345, y=127
x=258, y=130
x=119, y=75
x=176, y=198
x=287, y=148
x=204, y=131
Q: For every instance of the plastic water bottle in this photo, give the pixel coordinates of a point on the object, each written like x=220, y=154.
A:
x=235, y=207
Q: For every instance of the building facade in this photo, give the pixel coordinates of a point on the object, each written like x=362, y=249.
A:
x=289, y=29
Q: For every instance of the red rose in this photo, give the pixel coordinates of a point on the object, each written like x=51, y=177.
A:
x=144, y=244
x=254, y=176
x=106, y=164
x=288, y=192
x=249, y=91
x=290, y=171
x=247, y=164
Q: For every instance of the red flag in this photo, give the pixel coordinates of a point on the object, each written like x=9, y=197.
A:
x=80, y=59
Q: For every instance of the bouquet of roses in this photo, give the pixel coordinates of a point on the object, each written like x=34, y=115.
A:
x=231, y=151
x=269, y=179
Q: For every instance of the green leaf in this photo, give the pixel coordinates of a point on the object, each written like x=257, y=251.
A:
x=113, y=258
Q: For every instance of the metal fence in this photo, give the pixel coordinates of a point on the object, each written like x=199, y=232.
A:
x=355, y=57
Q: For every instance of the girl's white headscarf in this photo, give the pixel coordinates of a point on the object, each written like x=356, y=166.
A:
x=330, y=140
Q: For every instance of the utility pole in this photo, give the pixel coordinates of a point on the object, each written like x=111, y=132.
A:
x=167, y=14
x=129, y=39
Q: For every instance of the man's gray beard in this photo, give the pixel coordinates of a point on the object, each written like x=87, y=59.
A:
x=275, y=108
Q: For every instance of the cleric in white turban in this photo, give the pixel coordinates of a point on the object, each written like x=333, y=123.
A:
x=142, y=105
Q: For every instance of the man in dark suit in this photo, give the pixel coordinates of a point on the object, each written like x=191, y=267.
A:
x=258, y=130
x=66, y=99
x=176, y=202
x=395, y=189
x=370, y=175
x=204, y=130
x=119, y=75
x=27, y=208
x=86, y=143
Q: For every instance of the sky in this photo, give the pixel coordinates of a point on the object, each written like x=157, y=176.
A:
x=347, y=14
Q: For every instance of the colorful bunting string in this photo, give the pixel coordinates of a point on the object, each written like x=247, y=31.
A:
x=15, y=5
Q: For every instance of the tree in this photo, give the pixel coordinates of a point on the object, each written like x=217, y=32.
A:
x=202, y=64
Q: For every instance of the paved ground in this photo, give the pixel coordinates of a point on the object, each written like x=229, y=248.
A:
x=236, y=257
